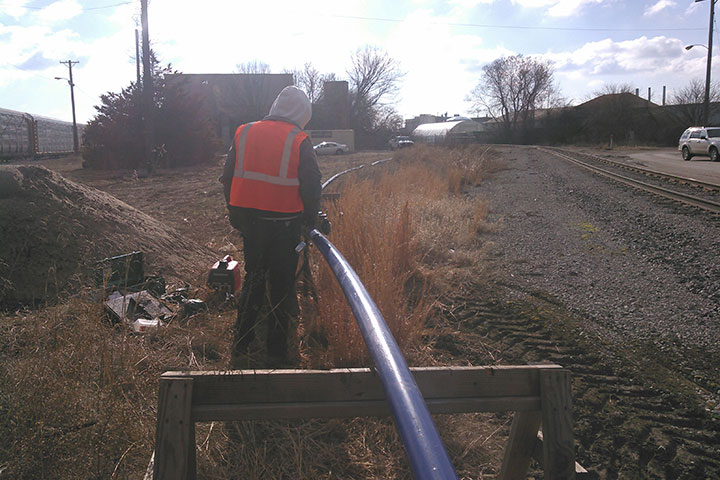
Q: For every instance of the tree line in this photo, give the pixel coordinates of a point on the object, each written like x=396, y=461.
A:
x=515, y=90
x=185, y=134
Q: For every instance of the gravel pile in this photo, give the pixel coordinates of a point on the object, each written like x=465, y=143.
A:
x=641, y=271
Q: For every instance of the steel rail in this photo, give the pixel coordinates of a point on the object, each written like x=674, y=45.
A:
x=644, y=171
x=425, y=450
x=340, y=174
x=664, y=192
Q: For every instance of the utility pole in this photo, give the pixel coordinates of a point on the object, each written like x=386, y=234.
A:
x=147, y=91
x=137, y=57
x=706, y=102
x=70, y=63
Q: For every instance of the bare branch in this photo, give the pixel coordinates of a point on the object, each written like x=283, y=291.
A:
x=310, y=81
x=253, y=66
x=374, y=82
x=512, y=88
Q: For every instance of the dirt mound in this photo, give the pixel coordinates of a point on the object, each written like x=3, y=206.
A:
x=53, y=231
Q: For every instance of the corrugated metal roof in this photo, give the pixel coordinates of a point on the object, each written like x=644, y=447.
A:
x=444, y=128
x=435, y=128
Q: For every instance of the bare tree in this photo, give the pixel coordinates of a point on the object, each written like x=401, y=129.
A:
x=255, y=94
x=309, y=80
x=374, y=76
x=387, y=118
x=374, y=82
x=689, y=101
x=512, y=88
x=253, y=66
x=612, y=89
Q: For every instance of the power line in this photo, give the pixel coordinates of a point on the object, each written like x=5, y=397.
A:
x=450, y=24
x=107, y=6
x=520, y=27
x=28, y=7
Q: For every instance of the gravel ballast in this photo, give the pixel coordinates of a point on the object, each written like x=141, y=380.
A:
x=641, y=272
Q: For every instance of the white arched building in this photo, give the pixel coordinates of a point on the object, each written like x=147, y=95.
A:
x=453, y=131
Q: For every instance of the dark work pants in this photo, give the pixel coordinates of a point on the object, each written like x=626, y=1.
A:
x=270, y=264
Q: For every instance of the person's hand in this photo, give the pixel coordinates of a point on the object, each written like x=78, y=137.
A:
x=309, y=221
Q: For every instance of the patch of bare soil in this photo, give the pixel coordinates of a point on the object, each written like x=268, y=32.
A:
x=625, y=425
x=54, y=231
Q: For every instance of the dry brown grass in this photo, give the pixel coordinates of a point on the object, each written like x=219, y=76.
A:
x=78, y=397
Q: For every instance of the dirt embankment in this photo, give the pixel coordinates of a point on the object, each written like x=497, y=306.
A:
x=55, y=230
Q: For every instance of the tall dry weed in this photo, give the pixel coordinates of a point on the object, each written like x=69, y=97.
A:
x=394, y=226
x=376, y=238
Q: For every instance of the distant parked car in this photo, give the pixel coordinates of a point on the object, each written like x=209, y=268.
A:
x=331, y=148
x=400, y=142
x=702, y=141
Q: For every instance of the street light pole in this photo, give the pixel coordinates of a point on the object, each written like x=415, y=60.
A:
x=70, y=63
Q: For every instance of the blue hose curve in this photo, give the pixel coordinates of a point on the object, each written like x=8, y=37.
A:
x=425, y=450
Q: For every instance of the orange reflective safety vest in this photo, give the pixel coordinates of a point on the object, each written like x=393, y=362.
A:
x=266, y=167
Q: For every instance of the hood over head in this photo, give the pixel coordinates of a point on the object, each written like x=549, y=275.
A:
x=292, y=104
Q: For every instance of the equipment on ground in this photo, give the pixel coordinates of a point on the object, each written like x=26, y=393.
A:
x=225, y=275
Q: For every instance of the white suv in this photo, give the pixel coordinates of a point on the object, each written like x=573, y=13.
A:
x=703, y=141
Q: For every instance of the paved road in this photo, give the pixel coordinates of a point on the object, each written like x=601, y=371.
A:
x=667, y=160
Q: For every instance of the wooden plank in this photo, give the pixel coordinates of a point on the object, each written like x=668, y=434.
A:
x=175, y=431
x=519, y=449
x=360, y=408
x=558, y=445
x=282, y=386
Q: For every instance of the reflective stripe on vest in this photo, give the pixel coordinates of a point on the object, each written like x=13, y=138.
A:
x=282, y=178
x=266, y=167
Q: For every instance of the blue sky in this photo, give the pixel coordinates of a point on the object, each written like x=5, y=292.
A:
x=440, y=45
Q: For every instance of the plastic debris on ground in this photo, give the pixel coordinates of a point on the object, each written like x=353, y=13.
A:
x=140, y=311
x=190, y=306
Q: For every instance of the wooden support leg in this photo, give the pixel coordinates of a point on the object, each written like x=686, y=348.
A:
x=558, y=446
x=520, y=445
x=175, y=433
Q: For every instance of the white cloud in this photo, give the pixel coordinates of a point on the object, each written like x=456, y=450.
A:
x=442, y=66
x=470, y=3
x=606, y=57
x=641, y=62
x=14, y=8
x=59, y=11
x=659, y=6
x=557, y=8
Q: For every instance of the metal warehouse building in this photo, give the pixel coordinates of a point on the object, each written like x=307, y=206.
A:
x=455, y=130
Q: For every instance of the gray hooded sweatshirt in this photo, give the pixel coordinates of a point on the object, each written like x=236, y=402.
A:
x=291, y=106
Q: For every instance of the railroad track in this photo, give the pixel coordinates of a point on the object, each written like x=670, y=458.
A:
x=687, y=199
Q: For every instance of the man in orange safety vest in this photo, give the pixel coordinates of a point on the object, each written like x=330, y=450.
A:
x=272, y=189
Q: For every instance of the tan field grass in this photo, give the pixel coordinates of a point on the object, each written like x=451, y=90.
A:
x=78, y=396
